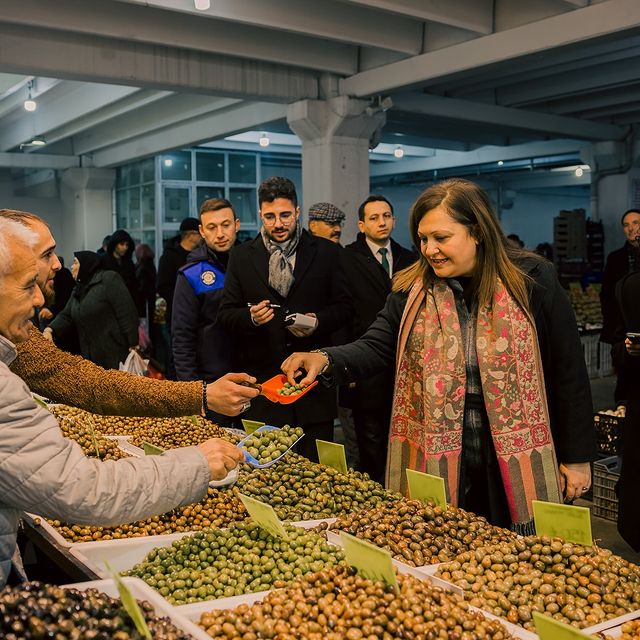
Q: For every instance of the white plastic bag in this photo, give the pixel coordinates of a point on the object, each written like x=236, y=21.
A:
x=135, y=364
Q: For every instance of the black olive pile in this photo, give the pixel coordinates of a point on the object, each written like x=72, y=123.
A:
x=578, y=585
x=167, y=433
x=218, y=509
x=229, y=562
x=298, y=489
x=36, y=611
x=266, y=446
x=336, y=604
x=420, y=534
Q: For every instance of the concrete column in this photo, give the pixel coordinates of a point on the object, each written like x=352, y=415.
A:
x=88, y=208
x=335, y=136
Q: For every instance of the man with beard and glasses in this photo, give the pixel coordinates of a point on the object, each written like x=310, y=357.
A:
x=284, y=270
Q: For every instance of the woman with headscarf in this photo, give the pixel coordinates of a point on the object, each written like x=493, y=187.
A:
x=102, y=312
x=491, y=389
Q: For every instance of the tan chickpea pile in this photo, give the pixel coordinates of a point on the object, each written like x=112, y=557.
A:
x=578, y=585
x=420, y=534
x=336, y=604
x=218, y=509
x=299, y=489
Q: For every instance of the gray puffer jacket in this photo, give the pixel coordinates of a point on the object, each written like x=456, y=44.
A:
x=43, y=472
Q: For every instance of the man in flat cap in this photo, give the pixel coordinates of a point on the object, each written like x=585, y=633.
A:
x=325, y=221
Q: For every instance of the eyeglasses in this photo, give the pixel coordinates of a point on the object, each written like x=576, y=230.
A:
x=286, y=218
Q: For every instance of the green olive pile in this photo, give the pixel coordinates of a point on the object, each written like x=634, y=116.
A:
x=420, y=534
x=298, y=489
x=578, y=585
x=35, y=611
x=92, y=443
x=229, y=562
x=289, y=389
x=266, y=446
x=218, y=509
x=167, y=433
x=335, y=604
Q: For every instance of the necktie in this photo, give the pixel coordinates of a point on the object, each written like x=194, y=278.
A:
x=385, y=262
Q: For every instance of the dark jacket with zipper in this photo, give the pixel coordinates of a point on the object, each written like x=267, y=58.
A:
x=202, y=349
x=565, y=372
x=319, y=288
x=105, y=318
x=370, y=285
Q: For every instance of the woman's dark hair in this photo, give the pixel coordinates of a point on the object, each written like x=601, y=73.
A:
x=470, y=206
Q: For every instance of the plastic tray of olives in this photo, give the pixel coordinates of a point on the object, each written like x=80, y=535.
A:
x=610, y=628
x=252, y=460
x=141, y=591
x=40, y=521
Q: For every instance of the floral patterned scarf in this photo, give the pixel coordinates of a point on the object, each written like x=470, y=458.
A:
x=428, y=410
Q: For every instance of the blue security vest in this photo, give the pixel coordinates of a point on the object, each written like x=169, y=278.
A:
x=204, y=277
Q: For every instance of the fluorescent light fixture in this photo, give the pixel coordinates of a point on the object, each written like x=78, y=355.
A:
x=264, y=140
x=202, y=5
x=398, y=152
x=38, y=141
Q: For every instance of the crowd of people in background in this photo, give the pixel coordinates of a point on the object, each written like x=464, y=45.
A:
x=215, y=305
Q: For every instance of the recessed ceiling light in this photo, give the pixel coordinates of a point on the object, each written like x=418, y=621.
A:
x=500, y=163
x=202, y=5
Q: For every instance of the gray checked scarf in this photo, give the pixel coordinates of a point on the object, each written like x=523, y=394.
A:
x=280, y=260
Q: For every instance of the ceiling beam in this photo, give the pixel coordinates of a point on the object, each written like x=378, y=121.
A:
x=250, y=115
x=328, y=19
x=134, y=24
x=160, y=115
x=472, y=15
x=484, y=155
x=505, y=117
x=608, y=18
x=67, y=101
x=37, y=161
x=94, y=59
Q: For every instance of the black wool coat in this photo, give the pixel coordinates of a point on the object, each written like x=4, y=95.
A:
x=370, y=285
x=319, y=288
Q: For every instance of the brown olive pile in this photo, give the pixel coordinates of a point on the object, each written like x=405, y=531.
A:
x=229, y=562
x=34, y=610
x=218, y=509
x=298, y=489
x=420, y=534
x=91, y=441
x=630, y=630
x=167, y=433
x=335, y=604
x=578, y=585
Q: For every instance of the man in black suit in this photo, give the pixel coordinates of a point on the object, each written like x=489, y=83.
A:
x=285, y=270
x=369, y=264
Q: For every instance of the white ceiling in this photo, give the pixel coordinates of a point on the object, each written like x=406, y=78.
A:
x=116, y=80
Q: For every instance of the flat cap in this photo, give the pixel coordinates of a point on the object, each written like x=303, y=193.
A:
x=326, y=212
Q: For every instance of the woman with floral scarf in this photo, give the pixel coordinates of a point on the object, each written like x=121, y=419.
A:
x=491, y=390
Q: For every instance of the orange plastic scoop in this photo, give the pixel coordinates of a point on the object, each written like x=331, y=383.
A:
x=270, y=389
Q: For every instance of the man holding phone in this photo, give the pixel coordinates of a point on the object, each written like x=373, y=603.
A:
x=285, y=272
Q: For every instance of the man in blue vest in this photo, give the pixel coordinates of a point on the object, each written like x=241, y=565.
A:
x=201, y=349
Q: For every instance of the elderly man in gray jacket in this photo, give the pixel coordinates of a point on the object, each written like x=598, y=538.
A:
x=42, y=471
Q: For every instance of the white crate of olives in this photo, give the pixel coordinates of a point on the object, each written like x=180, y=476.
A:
x=141, y=591
x=612, y=628
x=40, y=521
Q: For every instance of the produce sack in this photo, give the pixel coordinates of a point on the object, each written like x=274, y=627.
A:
x=135, y=364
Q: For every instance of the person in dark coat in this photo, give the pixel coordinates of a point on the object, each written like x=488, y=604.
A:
x=119, y=258
x=202, y=349
x=284, y=266
x=370, y=284
x=626, y=355
x=477, y=331
x=101, y=311
x=175, y=256
x=146, y=280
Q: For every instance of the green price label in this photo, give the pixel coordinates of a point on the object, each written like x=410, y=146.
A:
x=251, y=425
x=332, y=455
x=264, y=515
x=130, y=605
x=563, y=521
x=151, y=449
x=428, y=488
x=371, y=562
x=550, y=629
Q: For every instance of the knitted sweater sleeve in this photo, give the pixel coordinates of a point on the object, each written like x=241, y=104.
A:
x=71, y=380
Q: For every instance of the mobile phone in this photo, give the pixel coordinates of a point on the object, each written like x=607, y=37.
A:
x=634, y=337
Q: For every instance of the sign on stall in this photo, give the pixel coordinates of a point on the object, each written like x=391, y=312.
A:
x=563, y=521
x=332, y=455
x=264, y=515
x=426, y=487
x=371, y=562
